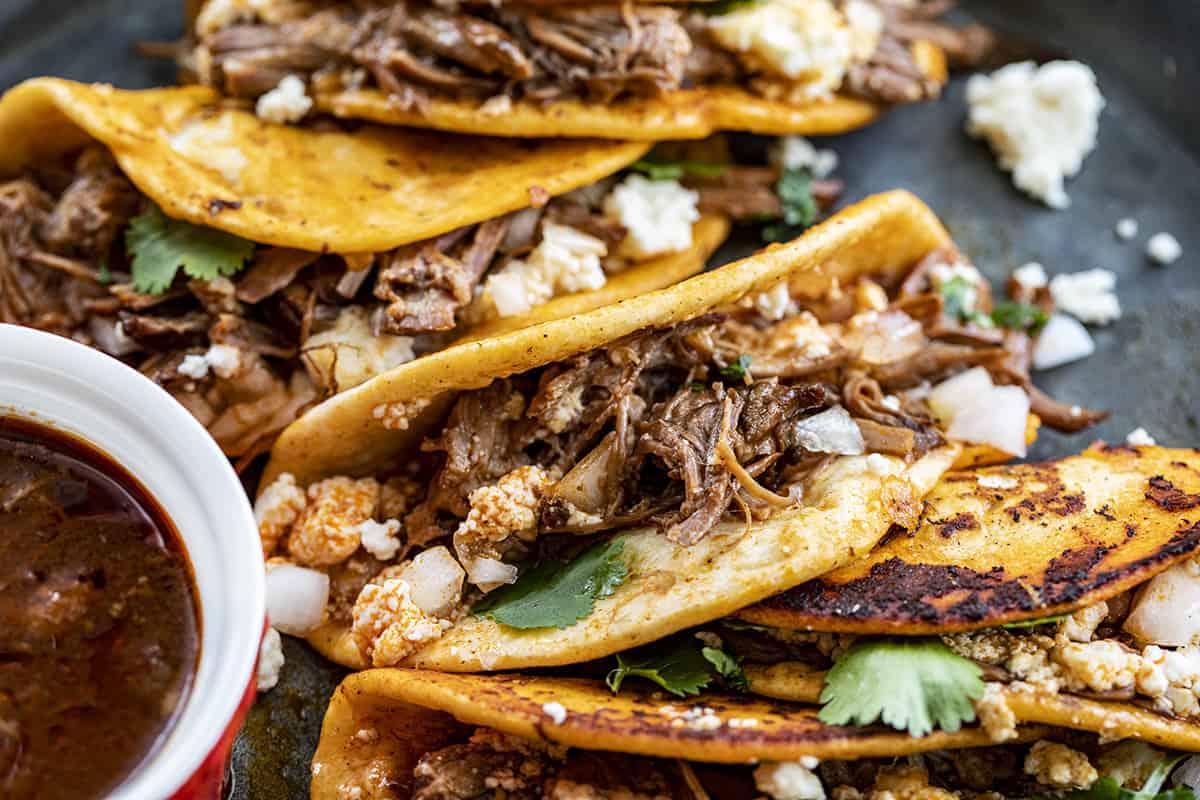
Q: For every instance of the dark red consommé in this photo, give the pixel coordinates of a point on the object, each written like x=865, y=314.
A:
x=99, y=625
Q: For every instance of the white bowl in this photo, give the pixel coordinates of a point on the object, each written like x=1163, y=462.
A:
x=65, y=385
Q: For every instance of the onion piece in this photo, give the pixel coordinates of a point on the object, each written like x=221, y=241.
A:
x=1167, y=609
x=831, y=431
x=435, y=581
x=882, y=338
x=296, y=598
x=588, y=486
x=1062, y=340
x=489, y=573
x=997, y=418
x=954, y=394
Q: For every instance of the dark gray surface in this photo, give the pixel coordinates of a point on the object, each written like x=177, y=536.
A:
x=1146, y=370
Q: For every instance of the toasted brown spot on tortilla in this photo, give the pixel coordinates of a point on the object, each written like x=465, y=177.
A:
x=1046, y=558
x=959, y=522
x=1168, y=496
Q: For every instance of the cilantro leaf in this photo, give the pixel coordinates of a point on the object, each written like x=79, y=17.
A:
x=728, y=667
x=958, y=297
x=719, y=7
x=1108, y=789
x=676, y=665
x=795, y=194
x=738, y=370
x=158, y=246
x=1018, y=316
x=1033, y=623
x=557, y=595
x=104, y=274
x=680, y=665
x=659, y=168
x=912, y=685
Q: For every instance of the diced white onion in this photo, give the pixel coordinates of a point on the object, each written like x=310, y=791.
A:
x=1062, y=340
x=489, y=574
x=953, y=394
x=831, y=431
x=995, y=418
x=884, y=338
x=296, y=598
x=435, y=580
x=1167, y=609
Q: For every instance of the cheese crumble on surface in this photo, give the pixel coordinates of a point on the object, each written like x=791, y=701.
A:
x=270, y=661
x=1041, y=122
x=1126, y=228
x=1163, y=248
x=789, y=780
x=557, y=712
x=796, y=152
x=566, y=260
x=1089, y=296
x=657, y=216
x=1031, y=276
x=279, y=505
x=327, y=531
x=380, y=539
x=388, y=626
x=1054, y=764
x=287, y=102
x=1139, y=436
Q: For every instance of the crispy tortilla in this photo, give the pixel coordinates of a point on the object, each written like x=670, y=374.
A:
x=322, y=191
x=670, y=587
x=794, y=682
x=416, y=712
x=1065, y=535
x=679, y=114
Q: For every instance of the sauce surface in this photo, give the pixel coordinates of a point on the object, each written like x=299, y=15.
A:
x=99, y=626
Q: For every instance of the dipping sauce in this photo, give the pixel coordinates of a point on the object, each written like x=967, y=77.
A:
x=99, y=625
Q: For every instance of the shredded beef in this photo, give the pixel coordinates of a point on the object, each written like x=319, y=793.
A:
x=748, y=193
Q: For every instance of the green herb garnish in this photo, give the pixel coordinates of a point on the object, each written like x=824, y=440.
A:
x=738, y=370
x=1108, y=789
x=798, y=207
x=680, y=665
x=554, y=594
x=1035, y=623
x=159, y=246
x=104, y=274
x=1018, y=316
x=697, y=386
x=659, y=168
x=911, y=685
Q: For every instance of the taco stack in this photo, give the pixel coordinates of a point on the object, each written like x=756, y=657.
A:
x=620, y=70
x=663, y=462
x=252, y=269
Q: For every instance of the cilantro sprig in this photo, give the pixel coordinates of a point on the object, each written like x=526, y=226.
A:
x=660, y=168
x=554, y=594
x=1018, y=316
x=911, y=685
x=159, y=247
x=798, y=206
x=738, y=370
x=679, y=665
x=1108, y=789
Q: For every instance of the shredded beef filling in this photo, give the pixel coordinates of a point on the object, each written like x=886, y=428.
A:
x=416, y=50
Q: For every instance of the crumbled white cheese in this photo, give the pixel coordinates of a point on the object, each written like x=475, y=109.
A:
x=498, y=513
x=1163, y=248
x=997, y=482
x=388, y=626
x=808, y=42
x=788, y=780
x=1089, y=296
x=565, y=260
x=225, y=360
x=277, y=507
x=1139, y=436
x=1041, y=122
x=193, y=366
x=287, y=102
x=1126, y=228
x=270, y=661
x=657, y=216
x=942, y=274
x=891, y=402
x=557, y=712
x=350, y=352
x=881, y=464
x=1031, y=276
x=296, y=597
x=1061, y=341
x=796, y=152
x=775, y=302
x=381, y=539
x=1054, y=764
x=496, y=106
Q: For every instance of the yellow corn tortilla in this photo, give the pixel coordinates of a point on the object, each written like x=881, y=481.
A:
x=408, y=713
x=798, y=683
x=679, y=114
x=322, y=191
x=1064, y=535
x=669, y=587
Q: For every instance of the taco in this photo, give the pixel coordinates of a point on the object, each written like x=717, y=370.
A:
x=413, y=735
x=560, y=493
x=616, y=70
x=311, y=259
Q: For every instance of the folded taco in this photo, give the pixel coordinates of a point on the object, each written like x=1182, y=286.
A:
x=252, y=269
x=415, y=735
x=566, y=491
x=617, y=69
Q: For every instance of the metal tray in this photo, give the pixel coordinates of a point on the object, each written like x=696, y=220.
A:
x=1147, y=366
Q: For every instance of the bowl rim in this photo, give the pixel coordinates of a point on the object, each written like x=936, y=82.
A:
x=219, y=682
